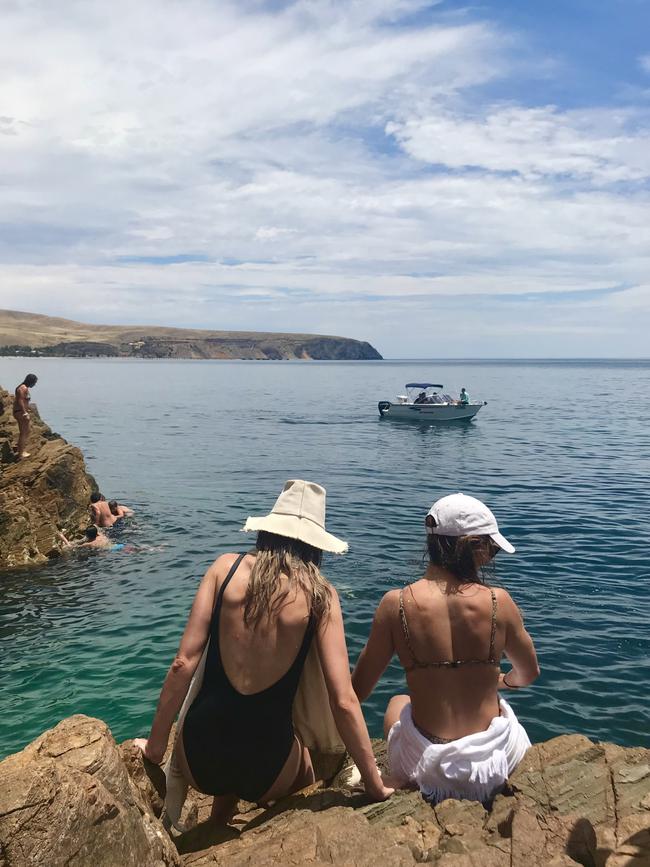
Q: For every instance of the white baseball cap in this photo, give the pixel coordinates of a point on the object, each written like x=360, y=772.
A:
x=459, y=515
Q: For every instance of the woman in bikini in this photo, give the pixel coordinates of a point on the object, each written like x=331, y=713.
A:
x=260, y=612
x=452, y=736
x=21, y=412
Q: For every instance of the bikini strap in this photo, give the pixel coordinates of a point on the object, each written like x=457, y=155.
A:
x=405, y=630
x=493, y=632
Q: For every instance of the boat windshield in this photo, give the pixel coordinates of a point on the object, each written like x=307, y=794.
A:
x=425, y=392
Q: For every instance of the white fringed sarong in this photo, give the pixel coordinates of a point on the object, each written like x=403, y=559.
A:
x=471, y=768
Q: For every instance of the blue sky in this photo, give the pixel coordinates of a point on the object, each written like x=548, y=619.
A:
x=442, y=179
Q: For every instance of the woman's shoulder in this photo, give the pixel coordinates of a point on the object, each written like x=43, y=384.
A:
x=506, y=605
x=224, y=563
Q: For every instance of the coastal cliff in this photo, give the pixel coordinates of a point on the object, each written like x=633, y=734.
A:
x=29, y=334
x=74, y=797
x=40, y=495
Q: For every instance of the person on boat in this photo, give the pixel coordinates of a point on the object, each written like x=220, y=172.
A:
x=260, y=612
x=421, y=398
x=100, y=511
x=21, y=413
x=452, y=736
x=464, y=397
x=118, y=510
x=94, y=539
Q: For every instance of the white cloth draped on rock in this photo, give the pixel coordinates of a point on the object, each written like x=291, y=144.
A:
x=472, y=768
x=312, y=720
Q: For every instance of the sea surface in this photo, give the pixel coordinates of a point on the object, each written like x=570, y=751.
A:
x=561, y=453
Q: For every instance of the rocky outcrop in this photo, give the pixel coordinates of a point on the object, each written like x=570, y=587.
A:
x=73, y=797
x=40, y=495
x=67, y=799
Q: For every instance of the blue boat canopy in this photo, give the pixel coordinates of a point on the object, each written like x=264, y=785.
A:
x=422, y=385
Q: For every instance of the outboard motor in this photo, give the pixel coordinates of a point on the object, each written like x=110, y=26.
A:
x=383, y=406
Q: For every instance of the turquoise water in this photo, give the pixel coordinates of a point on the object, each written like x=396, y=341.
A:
x=561, y=453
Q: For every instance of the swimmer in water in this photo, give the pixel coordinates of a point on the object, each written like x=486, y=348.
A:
x=118, y=510
x=94, y=539
x=100, y=512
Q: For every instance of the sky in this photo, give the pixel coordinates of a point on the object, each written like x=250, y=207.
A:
x=441, y=179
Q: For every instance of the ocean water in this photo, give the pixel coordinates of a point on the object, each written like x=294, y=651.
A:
x=561, y=453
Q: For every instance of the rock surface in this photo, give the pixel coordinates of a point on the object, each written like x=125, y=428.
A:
x=73, y=797
x=47, y=492
x=67, y=799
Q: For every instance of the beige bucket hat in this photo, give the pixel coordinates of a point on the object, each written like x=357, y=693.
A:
x=299, y=513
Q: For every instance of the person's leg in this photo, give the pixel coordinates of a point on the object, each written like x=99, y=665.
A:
x=395, y=707
x=224, y=808
x=296, y=774
x=23, y=434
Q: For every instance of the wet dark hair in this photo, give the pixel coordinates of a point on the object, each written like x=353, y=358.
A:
x=91, y=534
x=300, y=562
x=292, y=547
x=456, y=553
x=112, y=505
x=95, y=497
x=30, y=380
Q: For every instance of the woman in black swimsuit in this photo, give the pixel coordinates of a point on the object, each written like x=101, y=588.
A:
x=261, y=611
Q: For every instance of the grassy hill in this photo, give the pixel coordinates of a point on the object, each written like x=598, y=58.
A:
x=34, y=334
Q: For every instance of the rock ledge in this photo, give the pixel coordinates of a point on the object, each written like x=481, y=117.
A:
x=47, y=492
x=73, y=797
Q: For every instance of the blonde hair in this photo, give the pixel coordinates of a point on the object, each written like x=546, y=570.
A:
x=278, y=555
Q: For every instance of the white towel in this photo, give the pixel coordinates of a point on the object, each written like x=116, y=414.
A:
x=313, y=722
x=472, y=768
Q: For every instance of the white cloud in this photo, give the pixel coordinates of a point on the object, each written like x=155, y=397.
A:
x=532, y=141
x=305, y=144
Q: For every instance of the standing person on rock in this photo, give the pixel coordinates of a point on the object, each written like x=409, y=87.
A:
x=452, y=736
x=21, y=412
x=260, y=613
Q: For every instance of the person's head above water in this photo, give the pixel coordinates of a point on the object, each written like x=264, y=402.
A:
x=112, y=505
x=290, y=541
x=91, y=534
x=95, y=497
x=30, y=380
x=463, y=535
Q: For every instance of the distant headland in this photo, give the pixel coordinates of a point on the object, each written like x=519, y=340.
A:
x=34, y=335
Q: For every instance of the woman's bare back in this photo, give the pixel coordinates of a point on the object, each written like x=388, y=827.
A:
x=450, y=624
x=254, y=659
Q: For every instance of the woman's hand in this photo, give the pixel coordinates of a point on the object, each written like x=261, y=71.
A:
x=379, y=791
x=152, y=755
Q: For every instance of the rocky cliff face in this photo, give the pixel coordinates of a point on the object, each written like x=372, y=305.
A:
x=47, y=492
x=73, y=797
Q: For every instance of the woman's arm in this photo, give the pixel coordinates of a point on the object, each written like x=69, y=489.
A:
x=519, y=647
x=345, y=705
x=187, y=658
x=378, y=652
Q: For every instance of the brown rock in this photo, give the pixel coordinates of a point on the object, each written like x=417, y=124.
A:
x=40, y=495
x=67, y=799
x=73, y=797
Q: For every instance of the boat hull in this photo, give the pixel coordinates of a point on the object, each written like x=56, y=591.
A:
x=429, y=412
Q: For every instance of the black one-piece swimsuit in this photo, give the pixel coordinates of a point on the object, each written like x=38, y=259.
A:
x=237, y=744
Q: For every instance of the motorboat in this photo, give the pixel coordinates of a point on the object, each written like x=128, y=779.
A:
x=426, y=401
